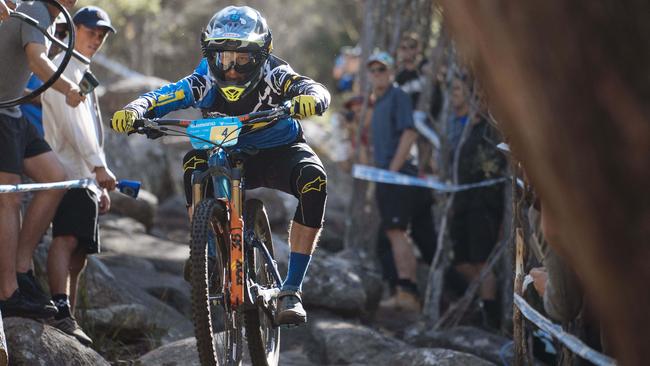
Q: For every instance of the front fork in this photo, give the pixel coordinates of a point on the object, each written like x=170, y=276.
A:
x=232, y=195
x=236, y=239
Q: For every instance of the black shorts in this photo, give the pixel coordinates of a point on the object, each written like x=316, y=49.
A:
x=399, y=203
x=77, y=216
x=476, y=222
x=19, y=140
x=270, y=168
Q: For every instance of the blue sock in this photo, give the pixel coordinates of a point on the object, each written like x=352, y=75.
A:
x=298, y=264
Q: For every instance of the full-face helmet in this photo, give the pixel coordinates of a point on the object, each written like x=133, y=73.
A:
x=236, y=37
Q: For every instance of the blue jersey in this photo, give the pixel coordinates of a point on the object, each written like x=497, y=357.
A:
x=279, y=83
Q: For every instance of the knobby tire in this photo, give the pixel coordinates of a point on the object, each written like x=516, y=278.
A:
x=207, y=214
x=263, y=338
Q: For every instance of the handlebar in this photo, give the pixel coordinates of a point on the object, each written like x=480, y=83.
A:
x=269, y=115
x=255, y=121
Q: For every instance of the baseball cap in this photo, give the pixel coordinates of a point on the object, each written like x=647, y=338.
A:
x=93, y=17
x=382, y=57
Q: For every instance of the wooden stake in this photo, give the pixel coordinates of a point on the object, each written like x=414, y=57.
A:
x=517, y=319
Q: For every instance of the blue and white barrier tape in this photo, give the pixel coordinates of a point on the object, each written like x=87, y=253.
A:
x=570, y=341
x=127, y=187
x=372, y=174
x=77, y=183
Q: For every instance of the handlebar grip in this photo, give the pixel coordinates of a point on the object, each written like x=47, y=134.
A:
x=138, y=123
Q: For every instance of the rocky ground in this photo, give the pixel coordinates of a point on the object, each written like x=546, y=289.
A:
x=136, y=306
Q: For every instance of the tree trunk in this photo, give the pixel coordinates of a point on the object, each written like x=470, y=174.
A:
x=360, y=204
x=570, y=84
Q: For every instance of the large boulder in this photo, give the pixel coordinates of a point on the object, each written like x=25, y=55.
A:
x=344, y=342
x=171, y=220
x=171, y=289
x=183, y=353
x=126, y=236
x=180, y=353
x=142, y=209
x=34, y=344
x=464, y=339
x=436, y=357
x=334, y=284
x=109, y=305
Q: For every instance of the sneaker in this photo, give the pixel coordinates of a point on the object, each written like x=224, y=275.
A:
x=69, y=325
x=29, y=286
x=21, y=306
x=402, y=300
x=290, y=310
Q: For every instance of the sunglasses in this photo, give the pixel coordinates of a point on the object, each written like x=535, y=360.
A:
x=377, y=70
x=408, y=47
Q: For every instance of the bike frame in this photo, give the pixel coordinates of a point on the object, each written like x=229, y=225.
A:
x=225, y=169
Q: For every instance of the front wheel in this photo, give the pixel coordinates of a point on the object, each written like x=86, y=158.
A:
x=263, y=336
x=218, y=328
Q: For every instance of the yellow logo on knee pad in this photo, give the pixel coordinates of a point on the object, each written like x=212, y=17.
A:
x=193, y=163
x=315, y=185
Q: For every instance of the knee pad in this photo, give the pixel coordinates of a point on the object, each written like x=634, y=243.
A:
x=194, y=160
x=309, y=183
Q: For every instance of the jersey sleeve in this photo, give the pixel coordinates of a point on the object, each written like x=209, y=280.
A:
x=190, y=91
x=289, y=84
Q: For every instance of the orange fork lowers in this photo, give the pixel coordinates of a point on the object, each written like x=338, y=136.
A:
x=236, y=248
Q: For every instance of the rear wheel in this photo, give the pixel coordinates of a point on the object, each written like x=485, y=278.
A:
x=217, y=327
x=263, y=337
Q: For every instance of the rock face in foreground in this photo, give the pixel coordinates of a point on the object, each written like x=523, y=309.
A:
x=31, y=343
x=436, y=357
x=464, y=339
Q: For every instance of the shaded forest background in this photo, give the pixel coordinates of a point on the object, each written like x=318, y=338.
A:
x=161, y=37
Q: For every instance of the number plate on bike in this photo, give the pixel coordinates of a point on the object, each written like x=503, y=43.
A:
x=223, y=131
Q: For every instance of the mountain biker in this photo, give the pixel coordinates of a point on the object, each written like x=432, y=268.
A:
x=238, y=75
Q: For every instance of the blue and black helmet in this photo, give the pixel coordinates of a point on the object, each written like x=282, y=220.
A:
x=236, y=37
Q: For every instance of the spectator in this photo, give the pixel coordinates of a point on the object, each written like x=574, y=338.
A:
x=411, y=77
x=346, y=68
x=76, y=135
x=345, y=126
x=23, y=50
x=477, y=213
x=33, y=111
x=5, y=9
x=393, y=135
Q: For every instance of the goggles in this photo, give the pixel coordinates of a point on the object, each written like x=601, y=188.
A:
x=242, y=62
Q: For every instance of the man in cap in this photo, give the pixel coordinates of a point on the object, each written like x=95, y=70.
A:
x=393, y=135
x=76, y=135
x=23, y=50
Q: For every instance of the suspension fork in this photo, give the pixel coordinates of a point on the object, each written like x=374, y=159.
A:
x=236, y=238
